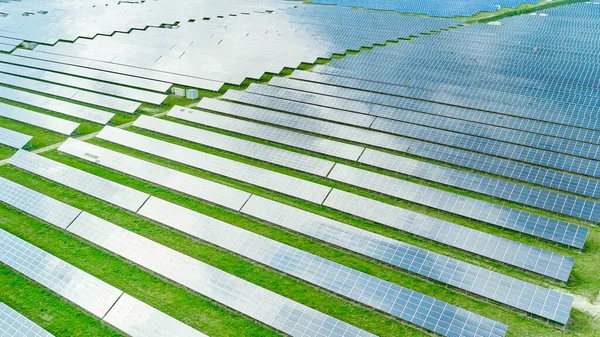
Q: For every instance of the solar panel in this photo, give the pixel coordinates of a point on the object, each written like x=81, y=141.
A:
x=7, y=48
x=299, y=108
x=276, y=94
x=10, y=42
x=186, y=183
x=124, y=312
x=505, y=217
x=124, y=70
x=528, y=195
x=271, y=180
x=425, y=132
x=13, y=324
x=307, y=124
x=388, y=104
x=274, y=134
x=263, y=305
x=420, y=261
x=37, y=204
x=74, y=94
x=79, y=82
x=316, y=270
x=100, y=188
x=13, y=139
x=87, y=72
x=105, y=88
x=510, y=169
x=242, y=147
x=77, y=286
x=500, y=249
x=37, y=119
x=137, y=318
x=66, y=108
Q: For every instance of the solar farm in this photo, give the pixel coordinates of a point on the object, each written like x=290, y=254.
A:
x=192, y=168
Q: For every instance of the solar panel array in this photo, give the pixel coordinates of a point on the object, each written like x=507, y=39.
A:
x=277, y=135
x=550, y=229
x=13, y=324
x=89, y=292
x=92, y=294
x=159, y=211
x=489, y=213
x=397, y=301
x=531, y=258
x=100, y=188
x=453, y=122
x=198, y=187
x=87, y=84
x=271, y=180
x=73, y=94
x=225, y=49
x=81, y=71
x=37, y=204
x=242, y=147
x=234, y=292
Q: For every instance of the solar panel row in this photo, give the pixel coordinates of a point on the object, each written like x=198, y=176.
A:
x=87, y=291
x=538, y=226
x=86, y=72
x=100, y=188
x=63, y=107
x=88, y=84
x=146, y=74
x=37, y=119
x=497, y=248
x=271, y=180
x=71, y=93
x=411, y=111
x=524, y=194
x=504, y=250
x=13, y=139
x=235, y=145
x=13, y=324
x=470, y=143
x=249, y=244
x=270, y=308
x=269, y=133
